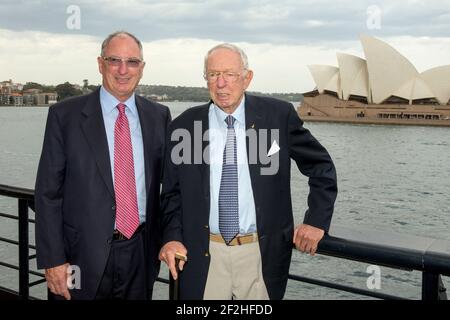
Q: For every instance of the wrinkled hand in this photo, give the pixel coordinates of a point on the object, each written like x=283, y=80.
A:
x=167, y=254
x=306, y=238
x=57, y=280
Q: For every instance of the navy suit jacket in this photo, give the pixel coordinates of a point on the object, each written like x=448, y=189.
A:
x=74, y=196
x=186, y=192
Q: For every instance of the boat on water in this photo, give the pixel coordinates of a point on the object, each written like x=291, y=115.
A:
x=384, y=88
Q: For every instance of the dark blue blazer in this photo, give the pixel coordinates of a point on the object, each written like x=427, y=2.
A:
x=186, y=192
x=74, y=197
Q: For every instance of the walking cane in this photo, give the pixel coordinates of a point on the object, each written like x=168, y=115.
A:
x=174, y=285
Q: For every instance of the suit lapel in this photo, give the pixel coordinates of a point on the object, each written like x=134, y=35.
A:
x=204, y=166
x=254, y=120
x=148, y=136
x=93, y=127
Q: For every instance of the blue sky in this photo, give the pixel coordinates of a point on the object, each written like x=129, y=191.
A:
x=54, y=41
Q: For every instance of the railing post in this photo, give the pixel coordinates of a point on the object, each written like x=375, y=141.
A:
x=432, y=287
x=24, y=267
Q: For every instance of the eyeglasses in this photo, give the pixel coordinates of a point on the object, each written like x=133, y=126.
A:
x=228, y=76
x=117, y=62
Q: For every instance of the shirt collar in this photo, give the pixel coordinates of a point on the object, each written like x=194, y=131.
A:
x=238, y=114
x=109, y=102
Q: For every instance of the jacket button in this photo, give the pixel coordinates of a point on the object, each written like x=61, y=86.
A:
x=109, y=241
x=206, y=254
x=113, y=208
x=206, y=227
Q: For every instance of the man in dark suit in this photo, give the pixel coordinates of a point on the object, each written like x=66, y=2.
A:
x=98, y=184
x=226, y=197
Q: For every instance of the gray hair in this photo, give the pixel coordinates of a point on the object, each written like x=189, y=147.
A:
x=232, y=47
x=120, y=34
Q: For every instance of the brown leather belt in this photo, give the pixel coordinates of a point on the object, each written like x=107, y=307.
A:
x=237, y=241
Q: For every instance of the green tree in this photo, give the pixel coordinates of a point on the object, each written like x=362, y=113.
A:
x=66, y=90
x=33, y=85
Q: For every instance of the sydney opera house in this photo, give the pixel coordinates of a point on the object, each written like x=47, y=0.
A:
x=383, y=88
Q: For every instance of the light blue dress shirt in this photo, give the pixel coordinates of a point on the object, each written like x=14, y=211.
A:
x=217, y=139
x=110, y=112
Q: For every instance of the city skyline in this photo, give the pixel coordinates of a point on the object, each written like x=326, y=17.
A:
x=54, y=42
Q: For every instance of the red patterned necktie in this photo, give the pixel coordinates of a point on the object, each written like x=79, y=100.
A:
x=127, y=214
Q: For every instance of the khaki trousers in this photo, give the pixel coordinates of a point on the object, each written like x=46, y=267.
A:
x=235, y=272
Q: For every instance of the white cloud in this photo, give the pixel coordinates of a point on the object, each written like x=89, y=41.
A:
x=314, y=23
x=423, y=52
x=51, y=59
x=253, y=21
x=47, y=58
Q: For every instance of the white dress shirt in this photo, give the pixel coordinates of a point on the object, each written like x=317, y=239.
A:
x=217, y=138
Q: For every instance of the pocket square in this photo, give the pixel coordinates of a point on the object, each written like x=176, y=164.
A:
x=273, y=149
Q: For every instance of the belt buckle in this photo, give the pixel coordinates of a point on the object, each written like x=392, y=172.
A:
x=240, y=238
x=117, y=235
x=237, y=240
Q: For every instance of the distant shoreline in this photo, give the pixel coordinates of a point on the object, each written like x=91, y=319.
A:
x=27, y=106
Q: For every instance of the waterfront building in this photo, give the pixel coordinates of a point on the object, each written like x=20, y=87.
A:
x=385, y=87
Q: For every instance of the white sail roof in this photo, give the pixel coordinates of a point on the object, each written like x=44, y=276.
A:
x=326, y=78
x=388, y=69
x=413, y=89
x=438, y=79
x=383, y=74
x=354, y=75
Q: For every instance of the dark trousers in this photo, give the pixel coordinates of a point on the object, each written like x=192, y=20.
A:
x=124, y=276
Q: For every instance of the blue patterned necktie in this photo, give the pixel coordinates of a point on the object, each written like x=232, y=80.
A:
x=228, y=193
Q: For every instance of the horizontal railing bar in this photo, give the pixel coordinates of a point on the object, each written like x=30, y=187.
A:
x=36, y=273
x=8, y=265
x=12, y=266
x=15, y=242
x=15, y=192
x=341, y=287
x=8, y=294
x=399, y=251
x=11, y=216
x=37, y=282
x=166, y=281
x=371, y=254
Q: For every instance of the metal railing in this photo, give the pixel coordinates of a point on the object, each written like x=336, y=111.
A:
x=399, y=251
x=25, y=199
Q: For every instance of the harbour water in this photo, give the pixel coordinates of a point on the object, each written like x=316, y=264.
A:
x=391, y=178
